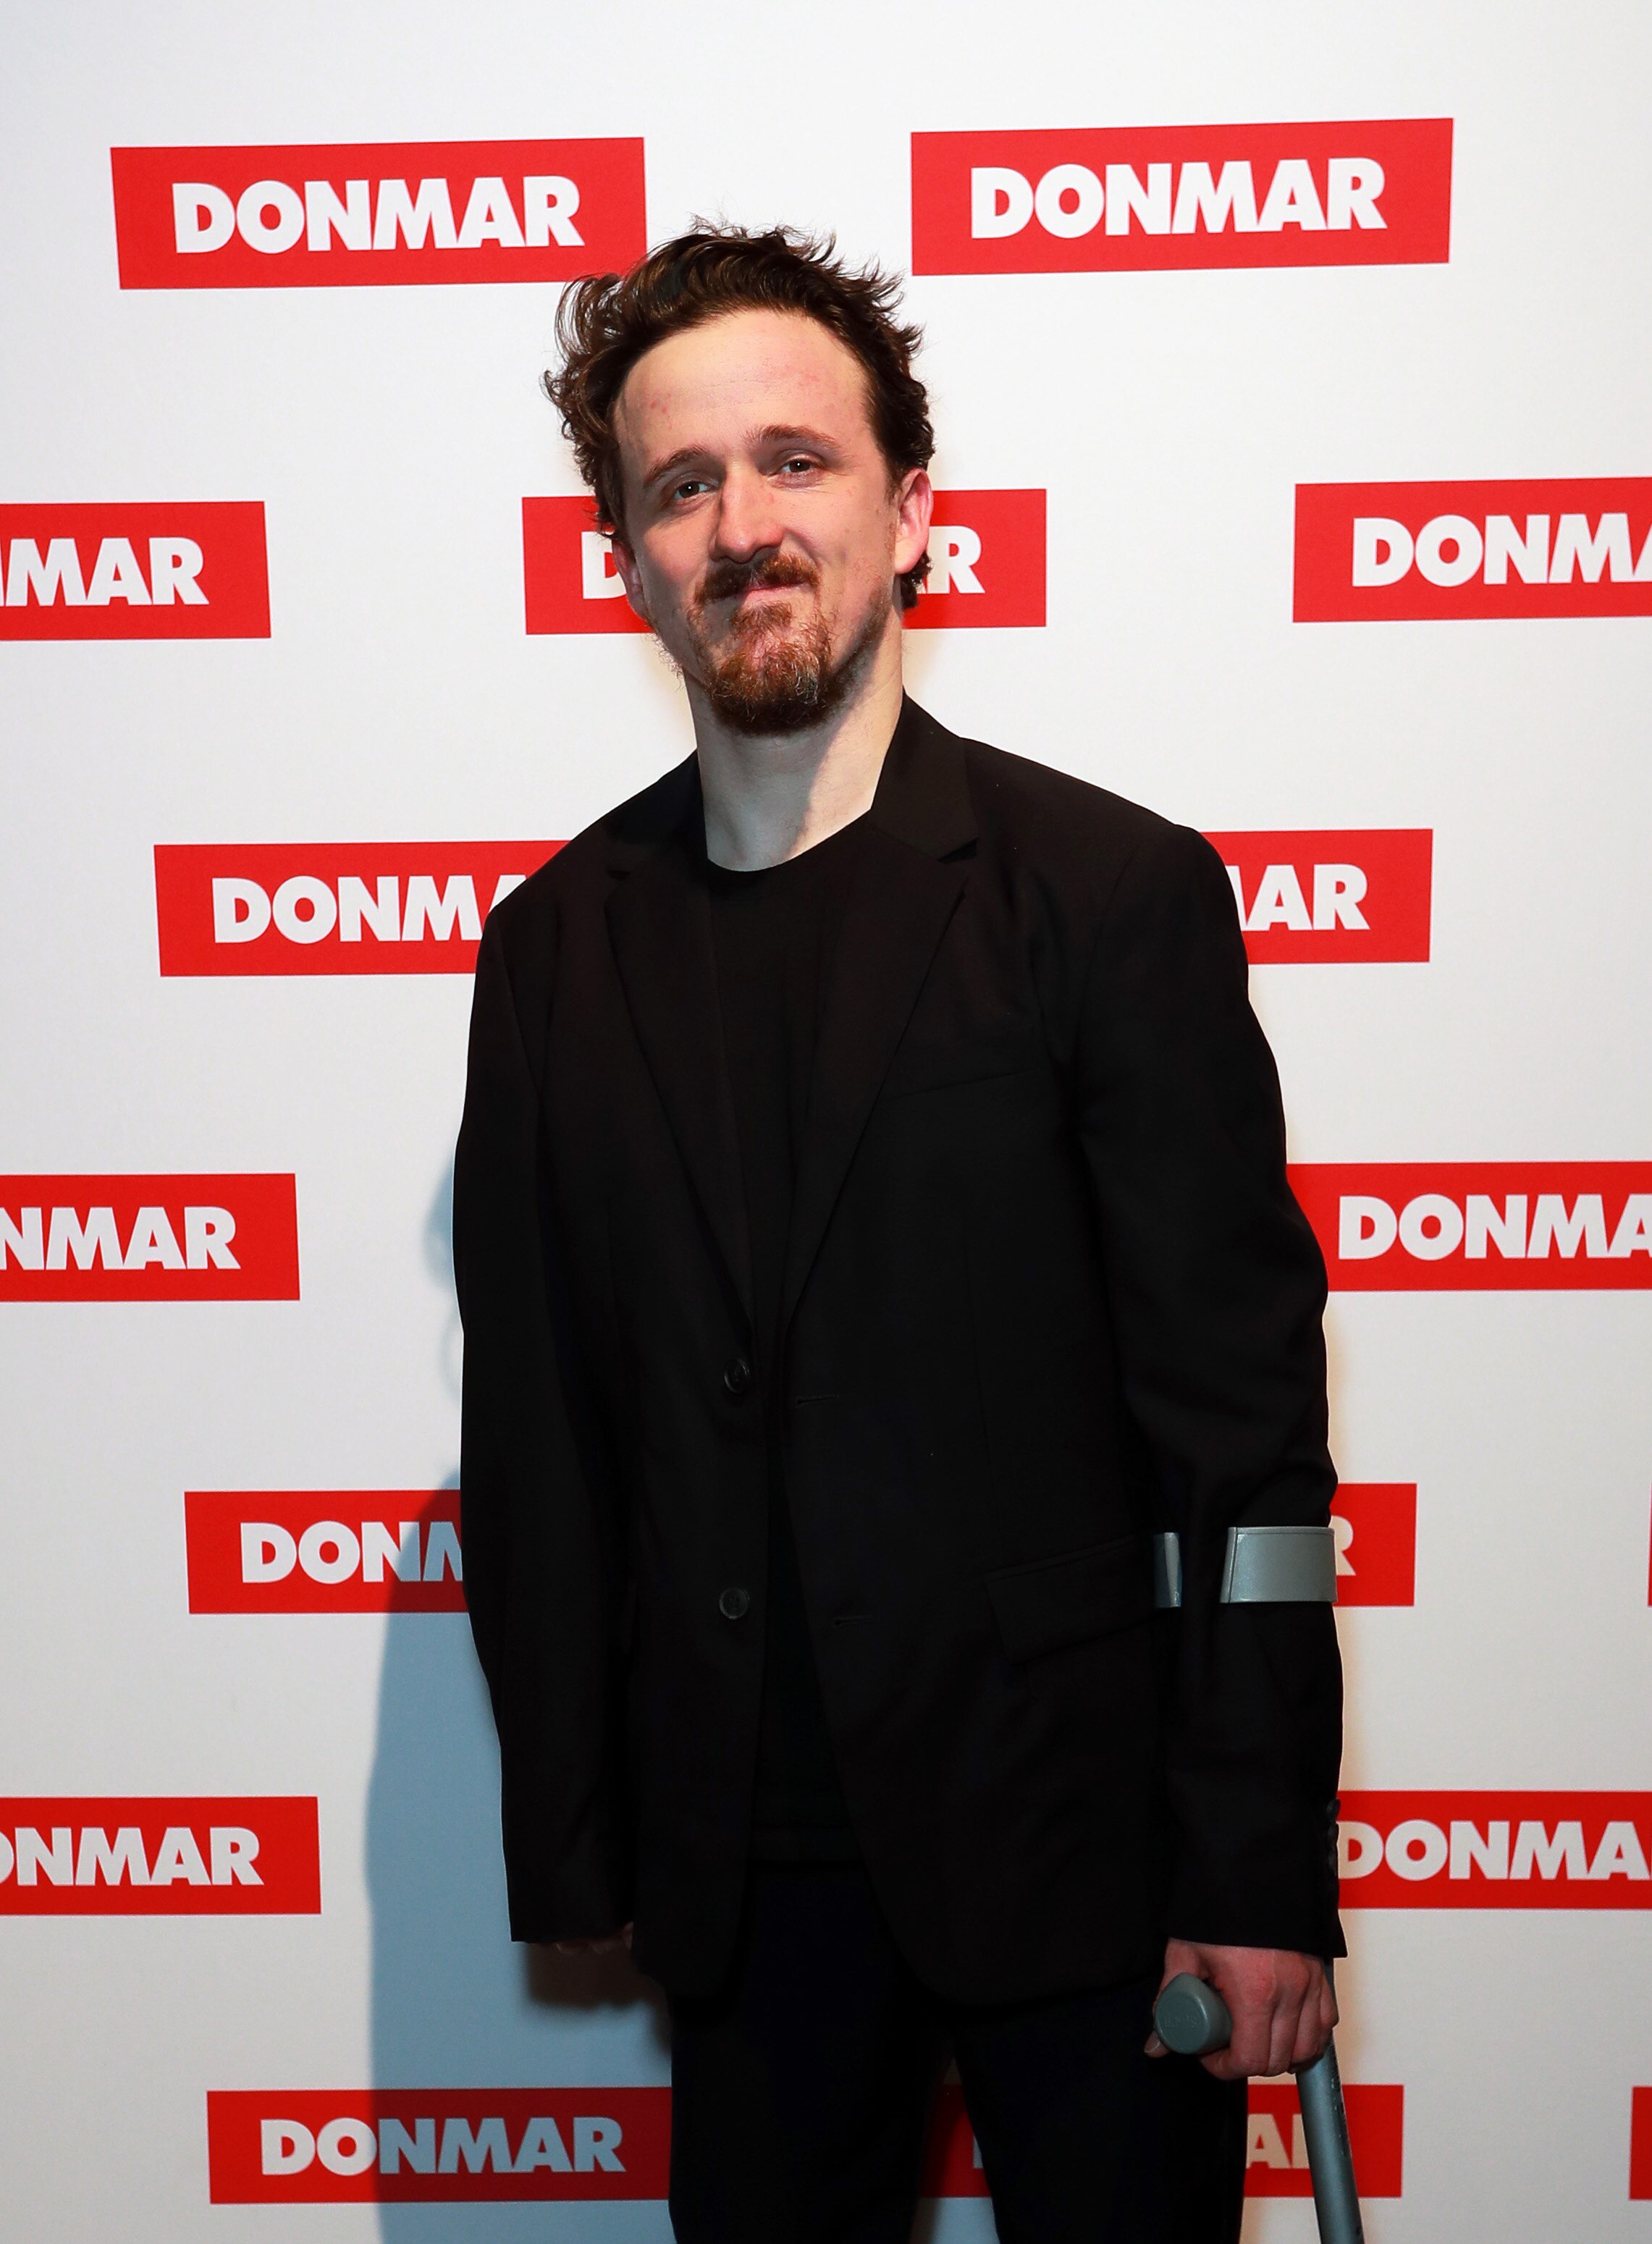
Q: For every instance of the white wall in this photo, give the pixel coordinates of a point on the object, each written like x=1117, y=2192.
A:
x=391, y=433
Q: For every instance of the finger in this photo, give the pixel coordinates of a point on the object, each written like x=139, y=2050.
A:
x=1282, y=2031
x=1267, y=2055
x=1154, y=2047
x=1247, y=2050
x=1313, y=2031
x=1226, y=2065
x=1328, y=2012
x=1315, y=2025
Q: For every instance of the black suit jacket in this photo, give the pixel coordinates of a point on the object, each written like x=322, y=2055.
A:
x=1047, y=1290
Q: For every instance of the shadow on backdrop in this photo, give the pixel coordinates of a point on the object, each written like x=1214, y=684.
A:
x=454, y=2003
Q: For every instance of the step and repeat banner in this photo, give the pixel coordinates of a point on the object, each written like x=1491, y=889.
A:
x=1294, y=394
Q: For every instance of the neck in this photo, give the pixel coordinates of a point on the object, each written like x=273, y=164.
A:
x=770, y=798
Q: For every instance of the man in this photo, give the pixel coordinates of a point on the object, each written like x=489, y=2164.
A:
x=872, y=1230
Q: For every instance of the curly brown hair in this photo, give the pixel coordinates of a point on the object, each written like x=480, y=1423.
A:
x=605, y=323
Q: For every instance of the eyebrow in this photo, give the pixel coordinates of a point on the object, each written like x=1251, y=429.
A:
x=776, y=433
x=796, y=433
x=669, y=466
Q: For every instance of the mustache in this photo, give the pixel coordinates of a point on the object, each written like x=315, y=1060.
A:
x=771, y=572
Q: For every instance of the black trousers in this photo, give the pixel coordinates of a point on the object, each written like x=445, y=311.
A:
x=801, y=2093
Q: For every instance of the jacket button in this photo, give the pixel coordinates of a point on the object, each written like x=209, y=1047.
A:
x=737, y=1377
x=733, y=1603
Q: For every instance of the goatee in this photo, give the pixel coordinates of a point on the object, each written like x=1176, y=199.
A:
x=771, y=676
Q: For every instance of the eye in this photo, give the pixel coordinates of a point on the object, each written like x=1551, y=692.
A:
x=688, y=487
x=800, y=464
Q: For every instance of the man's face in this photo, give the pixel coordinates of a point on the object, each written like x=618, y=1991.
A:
x=762, y=537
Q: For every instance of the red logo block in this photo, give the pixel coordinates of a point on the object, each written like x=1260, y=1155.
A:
x=952, y=2156
x=112, y=571
x=339, y=1550
x=159, y=1858
x=1495, y=1849
x=149, y=1239
x=1375, y=1525
x=569, y=583
x=1456, y=1227
x=1428, y=552
x=1133, y=198
x=436, y=2146
x=987, y=553
x=331, y=906
x=1276, y=2153
x=376, y=213
x=1641, y=2143
x=1304, y=897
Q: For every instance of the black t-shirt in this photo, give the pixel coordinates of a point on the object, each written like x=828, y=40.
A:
x=773, y=933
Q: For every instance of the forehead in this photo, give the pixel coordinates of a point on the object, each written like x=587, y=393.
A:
x=740, y=373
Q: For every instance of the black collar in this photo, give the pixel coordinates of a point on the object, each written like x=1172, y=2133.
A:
x=922, y=797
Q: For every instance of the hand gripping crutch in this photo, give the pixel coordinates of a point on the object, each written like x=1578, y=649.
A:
x=1268, y=1565
x=1192, y=2019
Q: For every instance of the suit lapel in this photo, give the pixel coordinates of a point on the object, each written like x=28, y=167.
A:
x=659, y=926
x=898, y=910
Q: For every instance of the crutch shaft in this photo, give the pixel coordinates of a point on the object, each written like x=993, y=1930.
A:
x=1192, y=2019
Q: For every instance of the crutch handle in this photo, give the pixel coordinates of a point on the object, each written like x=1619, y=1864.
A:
x=1191, y=2018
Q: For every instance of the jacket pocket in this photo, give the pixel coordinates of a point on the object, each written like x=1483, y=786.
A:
x=975, y=1059
x=1060, y=1601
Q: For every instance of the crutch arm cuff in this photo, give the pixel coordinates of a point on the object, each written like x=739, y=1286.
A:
x=1264, y=1566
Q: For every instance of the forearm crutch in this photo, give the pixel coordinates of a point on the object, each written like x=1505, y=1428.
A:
x=1192, y=2019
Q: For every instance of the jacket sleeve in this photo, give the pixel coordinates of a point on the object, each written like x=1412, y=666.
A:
x=1217, y=1291
x=543, y=1556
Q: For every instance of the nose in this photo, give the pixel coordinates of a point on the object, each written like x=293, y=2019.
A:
x=748, y=521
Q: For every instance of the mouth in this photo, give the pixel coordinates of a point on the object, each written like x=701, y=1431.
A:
x=770, y=587
x=761, y=596
x=763, y=612
x=766, y=607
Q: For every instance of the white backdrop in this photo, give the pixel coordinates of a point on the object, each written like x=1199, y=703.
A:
x=391, y=434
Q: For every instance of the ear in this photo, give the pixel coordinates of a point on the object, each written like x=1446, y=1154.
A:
x=631, y=577
x=914, y=506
